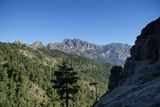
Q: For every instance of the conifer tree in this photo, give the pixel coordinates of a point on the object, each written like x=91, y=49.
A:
x=66, y=83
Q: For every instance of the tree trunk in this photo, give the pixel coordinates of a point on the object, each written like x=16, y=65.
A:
x=67, y=96
x=96, y=94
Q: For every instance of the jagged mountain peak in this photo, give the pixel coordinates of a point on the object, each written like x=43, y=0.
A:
x=77, y=43
x=74, y=39
x=18, y=42
x=37, y=44
x=115, y=53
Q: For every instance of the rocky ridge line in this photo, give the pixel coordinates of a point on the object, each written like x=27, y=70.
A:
x=115, y=53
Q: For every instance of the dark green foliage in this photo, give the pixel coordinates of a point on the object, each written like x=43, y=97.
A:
x=95, y=85
x=66, y=82
x=25, y=75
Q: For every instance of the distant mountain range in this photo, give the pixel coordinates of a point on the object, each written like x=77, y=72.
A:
x=114, y=53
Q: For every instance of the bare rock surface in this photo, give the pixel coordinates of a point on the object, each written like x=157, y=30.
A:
x=114, y=53
x=139, y=84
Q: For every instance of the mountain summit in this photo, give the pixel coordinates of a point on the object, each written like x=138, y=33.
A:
x=115, y=53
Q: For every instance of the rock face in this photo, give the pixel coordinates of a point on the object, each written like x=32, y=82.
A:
x=139, y=84
x=114, y=78
x=18, y=42
x=37, y=44
x=73, y=46
x=147, y=44
x=115, y=53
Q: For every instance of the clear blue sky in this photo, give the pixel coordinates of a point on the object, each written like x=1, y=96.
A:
x=96, y=21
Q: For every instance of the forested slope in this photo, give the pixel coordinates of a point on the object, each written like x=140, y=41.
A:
x=26, y=74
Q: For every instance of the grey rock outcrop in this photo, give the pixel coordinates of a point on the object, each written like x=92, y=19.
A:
x=139, y=84
x=37, y=44
x=114, y=77
x=147, y=44
x=18, y=42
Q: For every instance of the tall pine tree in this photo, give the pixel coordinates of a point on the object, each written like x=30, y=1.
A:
x=66, y=83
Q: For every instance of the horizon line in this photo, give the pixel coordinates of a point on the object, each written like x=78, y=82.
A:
x=61, y=41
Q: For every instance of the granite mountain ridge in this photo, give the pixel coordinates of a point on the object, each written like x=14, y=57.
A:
x=114, y=53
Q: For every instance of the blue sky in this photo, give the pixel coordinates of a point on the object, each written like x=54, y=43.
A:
x=95, y=21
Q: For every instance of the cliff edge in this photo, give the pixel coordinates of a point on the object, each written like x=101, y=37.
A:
x=139, y=83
